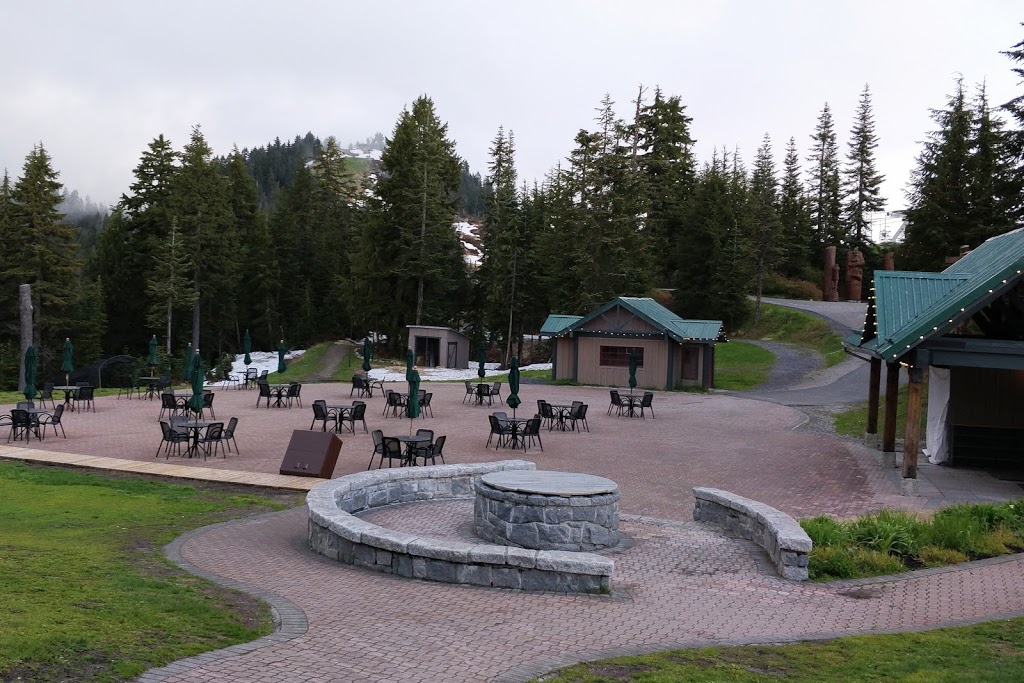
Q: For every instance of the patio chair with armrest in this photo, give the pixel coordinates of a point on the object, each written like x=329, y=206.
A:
x=321, y=414
x=378, y=446
x=470, y=392
x=249, y=379
x=484, y=391
x=392, y=450
x=425, y=405
x=46, y=394
x=85, y=395
x=264, y=393
x=294, y=394
x=171, y=438
x=208, y=404
x=578, y=413
x=21, y=424
x=496, y=391
x=396, y=402
x=432, y=450
x=645, y=402
x=229, y=434
x=616, y=403
x=503, y=431
x=531, y=432
x=357, y=414
x=212, y=439
x=53, y=419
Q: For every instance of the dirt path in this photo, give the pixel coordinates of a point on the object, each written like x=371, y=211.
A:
x=335, y=354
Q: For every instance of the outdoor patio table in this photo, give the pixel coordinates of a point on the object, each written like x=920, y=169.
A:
x=561, y=412
x=33, y=415
x=631, y=403
x=515, y=435
x=342, y=409
x=150, y=385
x=480, y=389
x=68, y=390
x=411, y=441
x=279, y=391
x=193, y=429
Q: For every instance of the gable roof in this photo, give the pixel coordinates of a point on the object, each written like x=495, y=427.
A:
x=653, y=313
x=908, y=308
x=556, y=323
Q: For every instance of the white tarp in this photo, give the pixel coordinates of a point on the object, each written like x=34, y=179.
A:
x=938, y=410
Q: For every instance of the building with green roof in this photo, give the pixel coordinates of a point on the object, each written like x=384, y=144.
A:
x=965, y=326
x=672, y=351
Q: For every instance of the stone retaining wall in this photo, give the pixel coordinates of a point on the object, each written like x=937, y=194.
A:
x=780, y=535
x=335, y=532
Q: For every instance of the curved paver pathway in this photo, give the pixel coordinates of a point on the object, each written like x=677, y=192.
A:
x=682, y=584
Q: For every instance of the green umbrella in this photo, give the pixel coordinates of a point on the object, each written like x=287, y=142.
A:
x=481, y=354
x=632, y=369
x=186, y=372
x=195, y=403
x=153, y=361
x=367, y=352
x=31, y=363
x=412, y=406
x=247, y=348
x=67, y=365
x=281, y=350
x=513, y=386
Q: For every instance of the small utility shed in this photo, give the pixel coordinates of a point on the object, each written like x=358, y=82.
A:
x=439, y=347
x=965, y=327
x=672, y=352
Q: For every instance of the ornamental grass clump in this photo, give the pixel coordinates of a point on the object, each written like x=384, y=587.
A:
x=892, y=532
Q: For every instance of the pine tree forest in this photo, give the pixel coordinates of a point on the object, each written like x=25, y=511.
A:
x=302, y=242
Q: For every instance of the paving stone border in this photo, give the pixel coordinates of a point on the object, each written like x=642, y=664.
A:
x=336, y=533
x=780, y=535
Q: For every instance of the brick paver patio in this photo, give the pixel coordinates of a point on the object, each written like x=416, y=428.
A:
x=681, y=583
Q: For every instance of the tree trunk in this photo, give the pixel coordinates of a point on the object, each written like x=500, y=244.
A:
x=195, y=317
x=25, y=297
x=511, y=308
x=757, y=302
x=423, y=248
x=170, y=318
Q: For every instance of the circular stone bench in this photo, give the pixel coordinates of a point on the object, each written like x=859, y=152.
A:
x=547, y=510
x=780, y=535
x=335, y=532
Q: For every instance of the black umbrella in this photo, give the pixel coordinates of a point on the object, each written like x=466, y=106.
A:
x=513, y=386
x=481, y=354
x=31, y=365
x=281, y=350
x=412, y=405
x=632, y=369
x=247, y=349
x=367, y=352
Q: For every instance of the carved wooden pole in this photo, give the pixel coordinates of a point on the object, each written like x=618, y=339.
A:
x=913, y=434
x=874, y=383
x=830, y=284
x=892, y=389
x=25, y=303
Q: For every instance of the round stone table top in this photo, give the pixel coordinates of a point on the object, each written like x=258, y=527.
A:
x=547, y=483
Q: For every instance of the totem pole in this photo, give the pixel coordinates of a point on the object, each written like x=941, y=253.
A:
x=830, y=290
x=854, y=274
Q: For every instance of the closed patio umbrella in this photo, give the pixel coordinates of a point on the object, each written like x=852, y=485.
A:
x=247, y=348
x=186, y=373
x=281, y=350
x=67, y=364
x=632, y=369
x=367, y=352
x=513, y=386
x=152, y=361
x=412, y=406
x=481, y=355
x=195, y=403
x=31, y=364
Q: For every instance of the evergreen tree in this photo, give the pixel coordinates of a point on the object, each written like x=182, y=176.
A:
x=795, y=216
x=667, y=161
x=169, y=285
x=824, y=192
x=862, y=181
x=1015, y=137
x=8, y=279
x=938, y=218
x=766, y=227
x=995, y=188
x=44, y=248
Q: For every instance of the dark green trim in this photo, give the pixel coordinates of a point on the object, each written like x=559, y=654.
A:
x=975, y=353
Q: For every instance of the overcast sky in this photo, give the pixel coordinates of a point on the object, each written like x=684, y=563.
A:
x=96, y=81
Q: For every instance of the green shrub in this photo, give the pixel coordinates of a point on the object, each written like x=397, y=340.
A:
x=955, y=530
x=892, y=532
x=934, y=556
x=993, y=543
x=790, y=288
x=825, y=531
x=876, y=563
x=830, y=562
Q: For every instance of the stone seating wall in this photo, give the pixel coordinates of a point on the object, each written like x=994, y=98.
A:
x=780, y=535
x=335, y=532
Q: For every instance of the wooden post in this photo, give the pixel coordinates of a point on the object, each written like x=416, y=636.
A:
x=892, y=389
x=874, y=384
x=913, y=434
x=25, y=304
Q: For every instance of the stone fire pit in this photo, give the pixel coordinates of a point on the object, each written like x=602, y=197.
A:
x=547, y=510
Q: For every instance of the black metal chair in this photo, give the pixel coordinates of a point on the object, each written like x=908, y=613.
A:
x=396, y=402
x=171, y=438
x=168, y=404
x=531, y=432
x=208, y=404
x=85, y=395
x=378, y=447
x=264, y=393
x=321, y=414
x=249, y=379
x=503, y=431
x=578, y=413
x=228, y=435
x=358, y=385
x=392, y=450
x=470, y=392
x=46, y=394
x=484, y=391
x=53, y=419
x=496, y=392
x=645, y=402
x=616, y=403
x=21, y=424
x=212, y=439
x=294, y=394
x=433, y=451
x=425, y=405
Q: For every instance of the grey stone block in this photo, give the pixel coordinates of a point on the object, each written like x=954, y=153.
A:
x=419, y=568
x=452, y=551
x=524, y=535
x=402, y=565
x=439, y=570
x=364, y=555
x=488, y=554
x=521, y=557
x=346, y=551
x=506, y=577
x=473, y=574
x=536, y=580
x=383, y=558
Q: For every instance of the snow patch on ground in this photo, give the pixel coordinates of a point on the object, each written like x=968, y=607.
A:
x=439, y=374
x=261, y=360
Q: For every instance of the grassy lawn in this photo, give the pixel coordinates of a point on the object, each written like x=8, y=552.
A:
x=987, y=653
x=782, y=324
x=740, y=365
x=302, y=368
x=854, y=420
x=85, y=593
x=351, y=364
